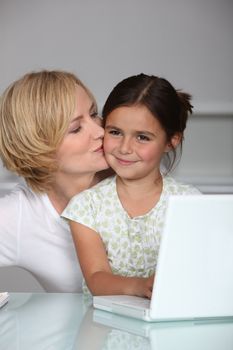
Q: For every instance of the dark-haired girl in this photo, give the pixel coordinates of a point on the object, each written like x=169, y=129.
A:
x=117, y=225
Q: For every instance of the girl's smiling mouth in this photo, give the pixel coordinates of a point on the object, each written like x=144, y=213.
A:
x=125, y=161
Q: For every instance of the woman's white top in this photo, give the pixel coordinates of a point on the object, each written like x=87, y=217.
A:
x=34, y=236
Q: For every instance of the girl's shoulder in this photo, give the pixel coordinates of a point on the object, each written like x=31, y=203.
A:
x=103, y=188
x=97, y=193
x=108, y=182
x=173, y=186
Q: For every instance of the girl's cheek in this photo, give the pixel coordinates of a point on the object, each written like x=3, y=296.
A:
x=106, y=144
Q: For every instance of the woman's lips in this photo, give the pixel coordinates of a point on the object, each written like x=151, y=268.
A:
x=99, y=149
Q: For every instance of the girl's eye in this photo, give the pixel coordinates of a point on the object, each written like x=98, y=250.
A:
x=114, y=132
x=143, y=138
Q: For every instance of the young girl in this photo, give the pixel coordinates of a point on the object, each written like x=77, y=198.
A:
x=117, y=224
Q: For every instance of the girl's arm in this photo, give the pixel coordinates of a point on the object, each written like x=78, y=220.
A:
x=97, y=271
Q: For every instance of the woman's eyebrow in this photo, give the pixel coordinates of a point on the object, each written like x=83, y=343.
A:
x=76, y=119
x=93, y=106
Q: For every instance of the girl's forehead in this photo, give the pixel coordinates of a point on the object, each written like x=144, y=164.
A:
x=134, y=113
x=135, y=118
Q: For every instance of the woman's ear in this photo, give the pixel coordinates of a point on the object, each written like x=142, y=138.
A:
x=174, y=142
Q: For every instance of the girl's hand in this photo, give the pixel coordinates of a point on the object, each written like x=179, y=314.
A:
x=144, y=287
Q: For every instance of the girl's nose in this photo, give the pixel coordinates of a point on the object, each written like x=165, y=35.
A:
x=126, y=146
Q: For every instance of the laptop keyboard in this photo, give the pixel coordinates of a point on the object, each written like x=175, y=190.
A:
x=136, y=301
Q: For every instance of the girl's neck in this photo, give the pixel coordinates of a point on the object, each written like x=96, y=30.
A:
x=138, y=187
x=139, y=196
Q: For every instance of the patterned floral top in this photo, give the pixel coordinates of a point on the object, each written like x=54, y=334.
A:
x=132, y=244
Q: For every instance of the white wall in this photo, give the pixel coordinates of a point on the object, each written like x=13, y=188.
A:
x=189, y=42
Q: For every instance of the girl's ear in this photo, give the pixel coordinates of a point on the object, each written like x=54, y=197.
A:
x=174, y=142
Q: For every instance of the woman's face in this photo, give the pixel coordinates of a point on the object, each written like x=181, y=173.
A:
x=81, y=150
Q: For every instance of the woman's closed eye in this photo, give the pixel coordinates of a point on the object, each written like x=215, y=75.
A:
x=75, y=126
x=94, y=114
x=75, y=130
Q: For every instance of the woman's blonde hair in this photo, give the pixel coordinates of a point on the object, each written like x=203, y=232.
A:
x=35, y=112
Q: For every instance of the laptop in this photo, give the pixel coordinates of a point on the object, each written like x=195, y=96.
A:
x=182, y=335
x=4, y=297
x=194, y=274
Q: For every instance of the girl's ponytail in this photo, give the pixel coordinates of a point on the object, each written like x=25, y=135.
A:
x=185, y=108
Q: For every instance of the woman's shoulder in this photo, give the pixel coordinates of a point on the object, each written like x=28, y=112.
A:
x=12, y=194
x=19, y=195
x=10, y=207
x=173, y=186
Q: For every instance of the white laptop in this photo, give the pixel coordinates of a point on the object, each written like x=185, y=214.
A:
x=194, y=275
x=4, y=297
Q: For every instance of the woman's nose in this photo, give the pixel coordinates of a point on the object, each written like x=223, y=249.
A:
x=97, y=130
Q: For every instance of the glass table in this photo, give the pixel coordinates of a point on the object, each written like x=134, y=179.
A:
x=47, y=321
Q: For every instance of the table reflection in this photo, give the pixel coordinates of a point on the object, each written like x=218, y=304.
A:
x=117, y=332
x=68, y=322
x=40, y=321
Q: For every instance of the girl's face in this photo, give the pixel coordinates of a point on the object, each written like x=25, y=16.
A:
x=134, y=142
x=81, y=150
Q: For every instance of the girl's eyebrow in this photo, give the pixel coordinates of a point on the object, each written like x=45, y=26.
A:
x=111, y=127
x=144, y=132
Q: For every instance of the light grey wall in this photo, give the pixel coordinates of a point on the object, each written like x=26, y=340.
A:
x=187, y=41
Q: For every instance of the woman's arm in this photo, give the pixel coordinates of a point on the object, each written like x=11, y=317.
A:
x=97, y=271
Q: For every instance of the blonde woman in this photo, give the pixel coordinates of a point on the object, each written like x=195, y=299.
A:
x=50, y=135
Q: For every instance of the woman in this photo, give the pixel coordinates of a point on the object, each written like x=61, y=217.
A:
x=50, y=135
